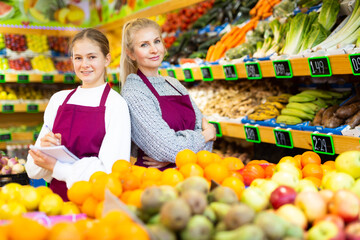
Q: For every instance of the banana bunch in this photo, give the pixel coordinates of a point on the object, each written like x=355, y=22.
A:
x=282, y=98
x=269, y=109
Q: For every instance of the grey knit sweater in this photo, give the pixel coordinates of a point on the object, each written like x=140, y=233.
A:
x=148, y=130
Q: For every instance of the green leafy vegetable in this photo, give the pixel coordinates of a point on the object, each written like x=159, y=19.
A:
x=328, y=13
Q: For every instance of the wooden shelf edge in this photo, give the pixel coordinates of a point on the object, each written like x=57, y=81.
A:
x=23, y=107
x=55, y=32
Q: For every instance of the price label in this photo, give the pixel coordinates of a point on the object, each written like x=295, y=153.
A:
x=319, y=66
x=253, y=70
x=230, y=72
x=69, y=78
x=35, y=135
x=355, y=63
x=32, y=108
x=48, y=78
x=115, y=78
x=23, y=78
x=207, y=73
x=7, y=108
x=282, y=69
x=252, y=134
x=2, y=78
x=283, y=138
x=5, y=137
x=189, y=77
x=217, y=127
x=171, y=73
x=323, y=143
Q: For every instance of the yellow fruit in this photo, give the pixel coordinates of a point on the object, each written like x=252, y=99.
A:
x=11, y=209
x=51, y=204
x=43, y=191
x=10, y=192
x=69, y=208
x=29, y=197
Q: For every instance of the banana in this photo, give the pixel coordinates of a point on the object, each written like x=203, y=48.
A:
x=313, y=106
x=302, y=98
x=318, y=93
x=300, y=106
x=338, y=94
x=278, y=105
x=320, y=102
x=297, y=113
x=289, y=120
x=281, y=99
x=259, y=117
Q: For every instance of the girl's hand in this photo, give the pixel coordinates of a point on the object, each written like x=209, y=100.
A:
x=153, y=163
x=43, y=160
x=209, y=131
x=50, y=140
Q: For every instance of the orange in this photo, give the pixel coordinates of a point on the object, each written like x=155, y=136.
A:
x=236, y=174
x=84, y=225
x=185, y=156
x=171, y=177
x=130, y=182
x=131, y=230
x=149, y=183
x=251, y=172
x=217, y=158
x=315, y=180
x=310, y=157
x=191, y=169
x=3, y=232
x=330, y=163
x=115, y=218
x=204, y=158
x=65, y=231
x=153, y=174
x=291, y=160
x=96, y=175
x=298, y=158
x=232, y=163
x=103, y=182
x=135, y=198
x=138, y=171
x=269, y=170
x=121, y=166
x=326, y=169
x=101, y=231
x=22, y=228
x=124, y=196
x=312, y=170
x=43, y=191
x=79, y=191
x=99, y=210
x=235, y=184
x=89, y=206
x=216, y=172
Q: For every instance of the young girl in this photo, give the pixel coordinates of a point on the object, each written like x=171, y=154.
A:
x=92, y=121
x=164, y=120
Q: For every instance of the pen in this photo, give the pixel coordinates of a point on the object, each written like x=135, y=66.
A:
x=47, y=127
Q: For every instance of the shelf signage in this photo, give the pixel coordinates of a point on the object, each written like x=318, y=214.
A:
x=69, y=78
x=23, y=78
x=32, y=108
x=355, y=63
x=171, y=73
x=2, y=78
x=35, y=135
x=282, y=69
x=322, y=143
x=189, y=77
x=48, y=78
x=320, y=66
x=283, y=138
x=252, y=134
x=115, y=78
x=207, y=73
x=230, y=72
x=217, y=127
x=253, y=70
x=8, y=108
x=5, y=137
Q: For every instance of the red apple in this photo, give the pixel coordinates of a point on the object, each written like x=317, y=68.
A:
x=312, y=204
x=282, y=195
x=339, y=222
x=346, y=204
x=352, y=231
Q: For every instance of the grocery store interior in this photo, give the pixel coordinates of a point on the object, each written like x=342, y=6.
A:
x=278, y=79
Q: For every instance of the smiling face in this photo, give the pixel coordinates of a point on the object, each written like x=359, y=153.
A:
x=89, y=62
x=148, y=50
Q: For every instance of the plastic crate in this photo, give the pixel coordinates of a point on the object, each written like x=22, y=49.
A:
x=21, y=178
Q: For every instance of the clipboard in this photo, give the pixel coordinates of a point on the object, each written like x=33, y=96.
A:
x=61, y=153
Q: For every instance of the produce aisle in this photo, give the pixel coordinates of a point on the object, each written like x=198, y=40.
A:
x=279, y=79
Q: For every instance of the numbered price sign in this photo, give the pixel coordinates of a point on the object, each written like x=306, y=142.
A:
x=282, y=69
x=48, y=78
x=283, y=138
x=252, y=134
x=7, y=108
x=354, y=62
x=171, y=73
x=323, y=143
x=189, y=77
x=230, y=72
x=253, y=70
x=32, y=108
x=207, y=73
x=217, y=127
x=35, y=135
x=69, y=78
x=5, y=137
x=320, y=66
x=23, y=78
x=2, y=78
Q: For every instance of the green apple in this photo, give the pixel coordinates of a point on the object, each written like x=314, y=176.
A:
x=255, y=198
x=349, y=162
x=285, y=178
x=268, y=187
x=356, y=187
x=306, y=185
x=258, y=182
x=292, y=214
x=337, y=180
x=325, y=230
x=288, y=167
x=312, y=204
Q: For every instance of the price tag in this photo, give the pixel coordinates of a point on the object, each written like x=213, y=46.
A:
x=283, y=138
x=282, y=69
x=171, y=73
x=35, y=135
x=189, y=77
x=230, y=72
x=355, y=63
x=69, y=78
x=207, y=73
x=217, y=127
x=48, y=78
x=2, y=78
x=115, y=78
x=252, y=134
x=8, y=108
x=323, y=143
x=23, y=78
x=32, y=108
x=253, y=70
x=5, y=137
x=320, y=66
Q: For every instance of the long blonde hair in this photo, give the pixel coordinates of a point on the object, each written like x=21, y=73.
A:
x=127, y=65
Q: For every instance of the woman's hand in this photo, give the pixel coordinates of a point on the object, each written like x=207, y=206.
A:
x=50, y=140
x=43, y=160
x=209, y=131
x=153, y=163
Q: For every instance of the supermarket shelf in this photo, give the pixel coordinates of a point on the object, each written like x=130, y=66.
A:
x=19, y=137
x=23, y=108
x=301, y=139
x=13, y=30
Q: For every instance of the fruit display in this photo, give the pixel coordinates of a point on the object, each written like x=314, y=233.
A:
x=20, y=64
x=270, y=109
x=16, y=42
x=2, y=41
x=4, y=64
x=58, y=44
x=11, y=165
x=43, y=64
x=11, y=92
x=37, y=43
x=63, y=66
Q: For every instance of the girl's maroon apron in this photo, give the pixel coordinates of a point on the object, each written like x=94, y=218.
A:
x=82, y=131
x=177, y=112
